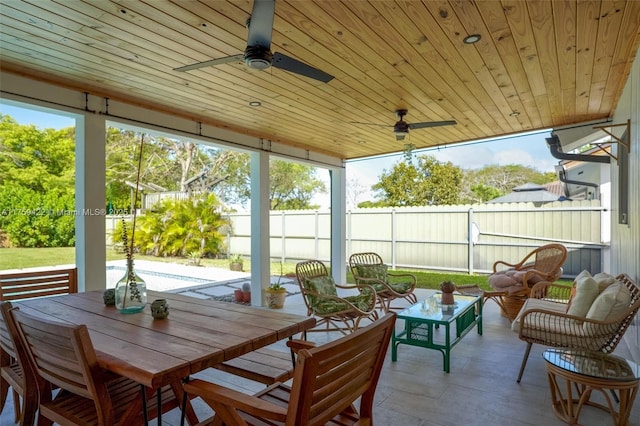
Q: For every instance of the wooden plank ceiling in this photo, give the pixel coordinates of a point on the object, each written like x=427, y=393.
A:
x=539, y=64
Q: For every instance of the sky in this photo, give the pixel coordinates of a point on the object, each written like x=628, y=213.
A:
x=528, y=150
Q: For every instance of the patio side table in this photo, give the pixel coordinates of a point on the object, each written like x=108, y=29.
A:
x=421, y=319
x=584, y=372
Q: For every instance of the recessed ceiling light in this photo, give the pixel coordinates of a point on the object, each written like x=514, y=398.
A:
x=255, y=103
x=473, y=38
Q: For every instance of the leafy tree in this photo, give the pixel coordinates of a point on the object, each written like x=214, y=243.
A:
x=39, y=166
x=163, y=160
x=370, y=204
x=41, y=160
x=234, y=168
x=36, y=185
x=293, y=185
x=494, y=181
x=428, y=182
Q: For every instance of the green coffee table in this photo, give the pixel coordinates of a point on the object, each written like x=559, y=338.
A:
x=422, y=323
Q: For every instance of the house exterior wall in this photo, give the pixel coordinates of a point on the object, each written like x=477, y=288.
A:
x=625, y=238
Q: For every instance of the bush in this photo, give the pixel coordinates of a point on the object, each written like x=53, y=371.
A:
x=177, y=228
x=33, y=219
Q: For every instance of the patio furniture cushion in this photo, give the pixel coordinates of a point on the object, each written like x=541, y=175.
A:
x=504, y=280
x=532, y=303
x=604, y=280
x=380, y=272
x=361, y=301
x=586, y=293
x=373, y=271
x=322, y=285
x=402, y=287
x=613, y=301
x=325, y=285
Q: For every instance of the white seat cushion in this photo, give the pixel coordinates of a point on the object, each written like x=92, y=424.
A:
x=532, y=303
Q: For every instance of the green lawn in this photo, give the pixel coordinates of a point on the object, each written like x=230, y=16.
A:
x=18, y=258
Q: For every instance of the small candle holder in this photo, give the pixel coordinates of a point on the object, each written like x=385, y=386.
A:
x=160, y=309
x=109, y=297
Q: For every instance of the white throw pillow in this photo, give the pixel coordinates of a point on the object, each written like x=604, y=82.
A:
x=613, y=301
x=586, y=293
x=604, y=280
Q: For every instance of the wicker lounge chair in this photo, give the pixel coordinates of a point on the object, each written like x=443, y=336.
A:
x=320, y=295
x=546, y=317
x=368, y=268
x=512, y=286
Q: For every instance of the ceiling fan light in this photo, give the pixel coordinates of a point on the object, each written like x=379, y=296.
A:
x=257, y=64
x=401, y=135
x=258, y=57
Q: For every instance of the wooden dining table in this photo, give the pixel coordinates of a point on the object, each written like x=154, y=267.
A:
x=196, y=335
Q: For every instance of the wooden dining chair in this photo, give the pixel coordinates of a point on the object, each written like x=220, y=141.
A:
x=12, y=376
x=62, y=355
x=327, y=382
x=30, y=284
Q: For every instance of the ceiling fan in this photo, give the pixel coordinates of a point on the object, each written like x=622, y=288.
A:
x=401, y=128
x=258, y=54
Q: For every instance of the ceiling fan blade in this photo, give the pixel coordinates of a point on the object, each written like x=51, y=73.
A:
x=431, y=124
x=261, y=23
x=212, y=62
x=290, y=64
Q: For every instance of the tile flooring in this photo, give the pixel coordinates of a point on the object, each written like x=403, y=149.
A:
x=480, y=390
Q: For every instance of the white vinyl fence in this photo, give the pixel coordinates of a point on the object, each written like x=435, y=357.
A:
x=467, y=238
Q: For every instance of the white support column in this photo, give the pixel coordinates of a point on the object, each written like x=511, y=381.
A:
x=91, y=252
x=338, y=224
x=260, y=251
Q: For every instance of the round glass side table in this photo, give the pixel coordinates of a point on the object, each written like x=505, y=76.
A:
x=585, y=371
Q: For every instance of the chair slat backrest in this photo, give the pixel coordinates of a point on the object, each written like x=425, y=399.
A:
x=310, y=269
x=32, y=284
x=63, y=355
x=23, y=379
x=329, y=378
x=305, y=270
x=368, y=258
x=550, y=258
x=7, y=350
